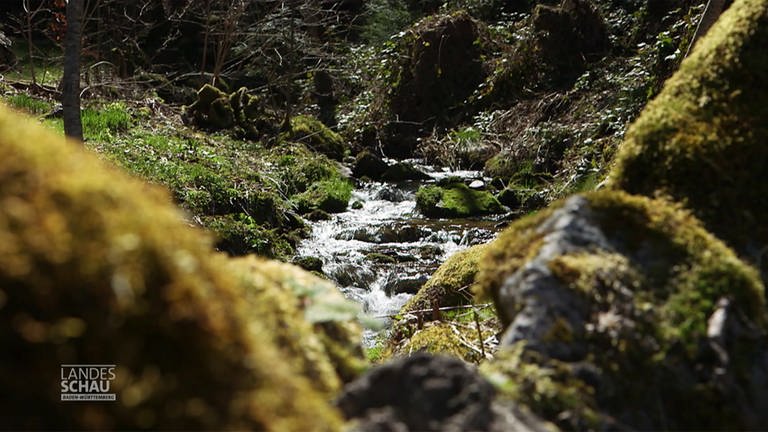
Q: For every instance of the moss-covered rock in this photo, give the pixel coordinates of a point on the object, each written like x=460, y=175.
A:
x=316, y=136
x=368, y=165
x=440, y=338
x=212, y=108
x=215, y=109
x=438, y=64
x=314, y=325
x=613, y=301
x=240, y=234
x=331, y=196
x=309, y=263
x=455, y=200
x=451, y=284
x=403, y=171
x=442, y=319
x=702, y=141
x=97, y=267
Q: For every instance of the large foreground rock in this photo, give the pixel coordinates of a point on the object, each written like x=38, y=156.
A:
x=703, y=140
x=623, y=311
x=428, y=393
x=96, y=267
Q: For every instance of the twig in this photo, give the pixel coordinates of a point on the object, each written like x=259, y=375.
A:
x=466, y=343
x=479, y=332
x=446, y=308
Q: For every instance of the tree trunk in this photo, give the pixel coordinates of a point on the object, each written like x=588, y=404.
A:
x=70, y=94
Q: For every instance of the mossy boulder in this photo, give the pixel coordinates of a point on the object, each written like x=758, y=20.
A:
x=309, y=263
x=442, y=317
x=367, y=164
x=612, y=301
x=403, y=171
x=313, y=324
x=455, y=200
x=316, y=136
x=212, y=109
x=527, y=199
x=451, y=284
x=439, y=64
x=215, y=109
x=702, y=141
x=240, y=234
x=98, y=267
x=443, y=338
x=330, y=196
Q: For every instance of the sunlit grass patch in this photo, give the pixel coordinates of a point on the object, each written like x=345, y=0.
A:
x=28, y=104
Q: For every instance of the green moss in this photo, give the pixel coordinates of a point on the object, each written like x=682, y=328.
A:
x=240, y=234
x=331, y=196
x=238, y=188
x=502, y=166
x=649, y=299
x=299, y=168
x=96, y=265
x=317, y=136
x=548, y=387
x=327, y=349
x=380, y=258
x=309, y=263
x=207, y=95
x=451, y=284
x=702, y=140
x=441, y=338
x=456, y=200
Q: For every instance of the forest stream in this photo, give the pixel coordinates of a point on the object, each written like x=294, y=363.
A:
x=382, y=249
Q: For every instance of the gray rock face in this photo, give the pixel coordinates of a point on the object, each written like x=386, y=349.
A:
x=429, y=393
x=638, y=304
x=544, y=299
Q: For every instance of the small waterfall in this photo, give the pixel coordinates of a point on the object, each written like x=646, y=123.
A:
x=383, y=251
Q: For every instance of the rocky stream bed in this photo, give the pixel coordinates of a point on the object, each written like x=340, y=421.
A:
x=382, y=249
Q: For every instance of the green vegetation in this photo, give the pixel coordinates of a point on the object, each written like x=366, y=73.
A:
x=316, y=136
x=384, y=18
x=247, y=194
x=28, y=104
x=455, y=200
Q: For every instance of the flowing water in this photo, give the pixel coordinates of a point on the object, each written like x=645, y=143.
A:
x=381, y=252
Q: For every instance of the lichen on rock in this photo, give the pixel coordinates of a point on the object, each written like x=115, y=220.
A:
x=619, y=295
